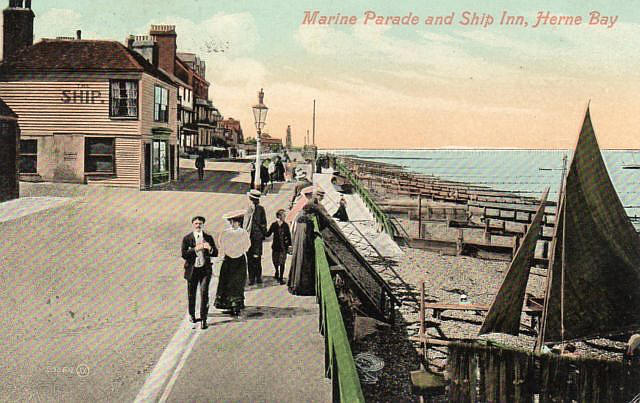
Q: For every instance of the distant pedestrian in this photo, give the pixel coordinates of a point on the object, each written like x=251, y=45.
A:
x=252, y=169
x=279, y=170
x=255, y=223
x=301, y=183
x=341, y=213
x=197, y=249
x=200, y=166
x=234, y=243
x=264, y=178
x=272, y=174
x=280, y=245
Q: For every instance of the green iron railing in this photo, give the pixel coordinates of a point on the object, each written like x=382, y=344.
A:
x=378, y=214
x=339, y=363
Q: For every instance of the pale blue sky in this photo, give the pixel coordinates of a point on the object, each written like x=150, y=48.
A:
x=408, y=86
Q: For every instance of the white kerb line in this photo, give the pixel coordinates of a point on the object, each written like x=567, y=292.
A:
x=169, y=364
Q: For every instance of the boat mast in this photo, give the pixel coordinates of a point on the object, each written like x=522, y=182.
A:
x=564, y=234
x=552, y=258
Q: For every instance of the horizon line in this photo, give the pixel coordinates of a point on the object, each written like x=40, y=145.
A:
x=467, y=149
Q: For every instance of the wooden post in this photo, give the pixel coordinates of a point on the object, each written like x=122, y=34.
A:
x=420, y=215
x=460, y=241
x=516, y=245
x=545, y=250
x=487, y=232
x=421, y=331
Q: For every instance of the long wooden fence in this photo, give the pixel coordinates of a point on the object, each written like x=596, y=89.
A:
x=491, y=374
x=339, y=363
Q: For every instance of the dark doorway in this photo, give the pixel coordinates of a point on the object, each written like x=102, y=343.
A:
x=172, y=161
x=147, y=165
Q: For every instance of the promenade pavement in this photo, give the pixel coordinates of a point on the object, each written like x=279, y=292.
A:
x=93, y=298
x=360, y=218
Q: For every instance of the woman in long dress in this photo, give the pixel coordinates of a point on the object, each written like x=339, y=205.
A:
x=302, y=274
x=233, y=244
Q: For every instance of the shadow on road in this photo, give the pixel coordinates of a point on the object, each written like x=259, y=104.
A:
x=267, y=312
x=214, y=181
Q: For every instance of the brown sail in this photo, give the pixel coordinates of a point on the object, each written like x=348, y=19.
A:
x=593, y=282
x=506, y=309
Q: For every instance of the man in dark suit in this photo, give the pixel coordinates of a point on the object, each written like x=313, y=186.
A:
x=255, y=223
x=197, y=249
x=200, y=166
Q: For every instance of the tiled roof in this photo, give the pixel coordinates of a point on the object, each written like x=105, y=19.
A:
x=6, y=111
x=55, y=54
x=80, y=55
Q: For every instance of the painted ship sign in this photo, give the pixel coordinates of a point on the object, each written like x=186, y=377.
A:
x=81, y=97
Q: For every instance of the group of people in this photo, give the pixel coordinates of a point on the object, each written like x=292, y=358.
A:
x=271, y=171
x=240, y=248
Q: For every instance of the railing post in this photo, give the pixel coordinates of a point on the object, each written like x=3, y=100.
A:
x=420, y=215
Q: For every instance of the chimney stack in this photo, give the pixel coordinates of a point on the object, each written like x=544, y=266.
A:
x=17, y=27
x=145, y=46
x=78, y=34
x=165, y=36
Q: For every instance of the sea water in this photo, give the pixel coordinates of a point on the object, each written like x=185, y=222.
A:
x=527, y=172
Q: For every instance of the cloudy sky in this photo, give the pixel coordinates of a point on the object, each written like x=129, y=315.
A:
x=385, y=86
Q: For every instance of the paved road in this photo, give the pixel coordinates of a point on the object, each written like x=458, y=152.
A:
x=92, y=294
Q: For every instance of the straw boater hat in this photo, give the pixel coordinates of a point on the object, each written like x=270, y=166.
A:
x=320, y=191
x=254, y=194
x=308, y=190
x=234, y=214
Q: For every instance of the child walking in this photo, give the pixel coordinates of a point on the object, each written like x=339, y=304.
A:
x=281, y=244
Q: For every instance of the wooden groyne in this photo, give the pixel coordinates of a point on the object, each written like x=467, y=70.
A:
x=489, y=223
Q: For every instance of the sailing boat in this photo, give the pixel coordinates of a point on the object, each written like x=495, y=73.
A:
x=504, y=312
x=593, y=280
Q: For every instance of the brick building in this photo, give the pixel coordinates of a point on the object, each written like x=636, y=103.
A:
x=233, y=131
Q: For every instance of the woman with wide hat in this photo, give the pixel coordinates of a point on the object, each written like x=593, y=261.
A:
x=233, y=244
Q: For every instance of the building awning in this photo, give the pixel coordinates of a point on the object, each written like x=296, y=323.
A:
x=164, y=132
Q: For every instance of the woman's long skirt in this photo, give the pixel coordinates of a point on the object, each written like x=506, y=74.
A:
x=302, y=274
x=233, y=276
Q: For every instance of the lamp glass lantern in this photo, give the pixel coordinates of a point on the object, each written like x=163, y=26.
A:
x=260, y=112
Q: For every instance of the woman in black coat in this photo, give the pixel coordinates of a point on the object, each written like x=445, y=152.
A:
x=264, y=178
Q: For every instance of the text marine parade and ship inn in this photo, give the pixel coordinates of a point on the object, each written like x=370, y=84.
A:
x=310, y=275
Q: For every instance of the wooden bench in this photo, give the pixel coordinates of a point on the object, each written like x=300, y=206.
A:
x=533, y=310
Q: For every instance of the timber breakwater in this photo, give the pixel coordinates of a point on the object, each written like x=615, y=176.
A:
x=464, y=245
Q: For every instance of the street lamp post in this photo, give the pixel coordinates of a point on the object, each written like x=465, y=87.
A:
x=260, y=117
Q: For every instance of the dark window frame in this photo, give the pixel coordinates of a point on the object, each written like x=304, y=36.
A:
x=28, y=155
x=124, y=116
x=88, y=155
x=159, y=115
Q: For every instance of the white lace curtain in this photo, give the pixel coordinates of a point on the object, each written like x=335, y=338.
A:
x=124, y=94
